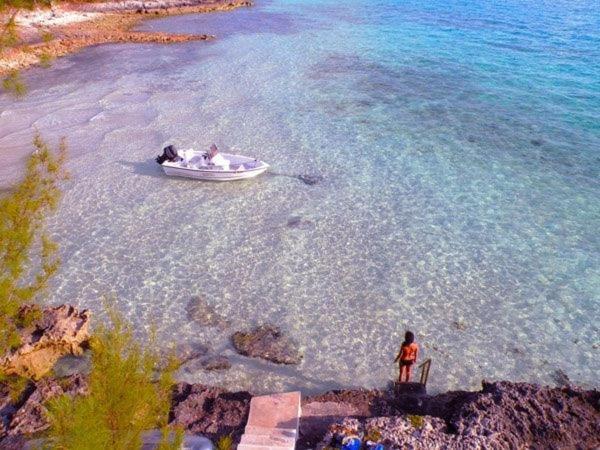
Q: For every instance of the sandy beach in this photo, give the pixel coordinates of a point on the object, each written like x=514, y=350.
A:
x=48, y=34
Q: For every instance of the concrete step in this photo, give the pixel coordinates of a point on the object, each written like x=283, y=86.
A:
x=275, y=411
x=264, y=431
x=261, y=447
x=273, y=422
x=268, y=440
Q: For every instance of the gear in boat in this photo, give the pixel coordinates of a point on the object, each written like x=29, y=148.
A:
x=210, y=165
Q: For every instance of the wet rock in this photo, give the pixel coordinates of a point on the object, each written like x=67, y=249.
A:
x=297, y=222
x=210, y=411
x=267, y=342
x=294, y=221
x=190, y=351
x=561, y=378
x=217, y=362
x=460, y=325
x=199, y=311
x=536, y=142
x=71, y=365
x=517, y=351
x=310, y=179
x=59, y=331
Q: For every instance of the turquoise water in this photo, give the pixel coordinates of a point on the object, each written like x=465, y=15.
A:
x=458, y=146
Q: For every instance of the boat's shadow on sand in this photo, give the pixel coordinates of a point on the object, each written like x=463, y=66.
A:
x=148, y=168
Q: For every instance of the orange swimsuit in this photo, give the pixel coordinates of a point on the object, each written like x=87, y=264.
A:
x=408, y=354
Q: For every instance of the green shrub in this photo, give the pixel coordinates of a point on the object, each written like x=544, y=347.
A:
x=373, y=435
x=14, y=84
x=224, y=443
x=15, y=386
x=27, y=254
x=46, y=60
x=416, y=421
x=129, y=392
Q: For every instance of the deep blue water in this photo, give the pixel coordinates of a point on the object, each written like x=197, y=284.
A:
x=459, y=149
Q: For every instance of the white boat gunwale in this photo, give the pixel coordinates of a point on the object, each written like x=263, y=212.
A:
x=182, y=167
x=263, y=166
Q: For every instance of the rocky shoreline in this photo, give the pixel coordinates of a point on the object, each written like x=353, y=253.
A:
x=502, y=415
x=66, y=29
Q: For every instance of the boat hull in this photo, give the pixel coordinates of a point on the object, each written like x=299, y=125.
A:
x=213, y=175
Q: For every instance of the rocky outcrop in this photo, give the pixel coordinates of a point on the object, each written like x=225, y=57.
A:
x=514, y=415
x=27, y=415
x=210, y=411
x=134, y=5
x=201, y=312
x=503, y=415
x=403, y=432
x=267, y=342
x=60, y=331
x=101, y=23
x=188, y=352
x=216, y=362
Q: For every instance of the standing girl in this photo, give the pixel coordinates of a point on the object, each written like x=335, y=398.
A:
x=407, y=356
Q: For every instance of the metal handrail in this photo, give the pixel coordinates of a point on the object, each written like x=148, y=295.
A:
x=425, y=366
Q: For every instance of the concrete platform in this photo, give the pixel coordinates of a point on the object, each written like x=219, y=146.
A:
x=272, y=423
x=268, y=439
x=261, y=431
x=275, y=411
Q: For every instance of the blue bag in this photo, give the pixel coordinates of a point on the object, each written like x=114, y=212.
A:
x=353, y=443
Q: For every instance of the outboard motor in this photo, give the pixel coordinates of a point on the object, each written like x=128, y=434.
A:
x=169, y=154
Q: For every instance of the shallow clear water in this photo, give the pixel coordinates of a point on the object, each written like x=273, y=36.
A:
x=459, y=150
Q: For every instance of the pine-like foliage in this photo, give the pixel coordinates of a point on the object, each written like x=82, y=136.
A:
x=8, y=5
x=129, y=392
x=9, y=37
x=225, y=443
x=27, y=254
x=9, y=9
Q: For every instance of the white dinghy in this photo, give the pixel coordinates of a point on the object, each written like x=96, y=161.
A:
x=212, y=165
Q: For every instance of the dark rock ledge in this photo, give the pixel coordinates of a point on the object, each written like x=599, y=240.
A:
x=57, y=331
x=267, y=342
x=502, y=415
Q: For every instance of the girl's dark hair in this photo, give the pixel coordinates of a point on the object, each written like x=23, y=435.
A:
x=409, y=338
